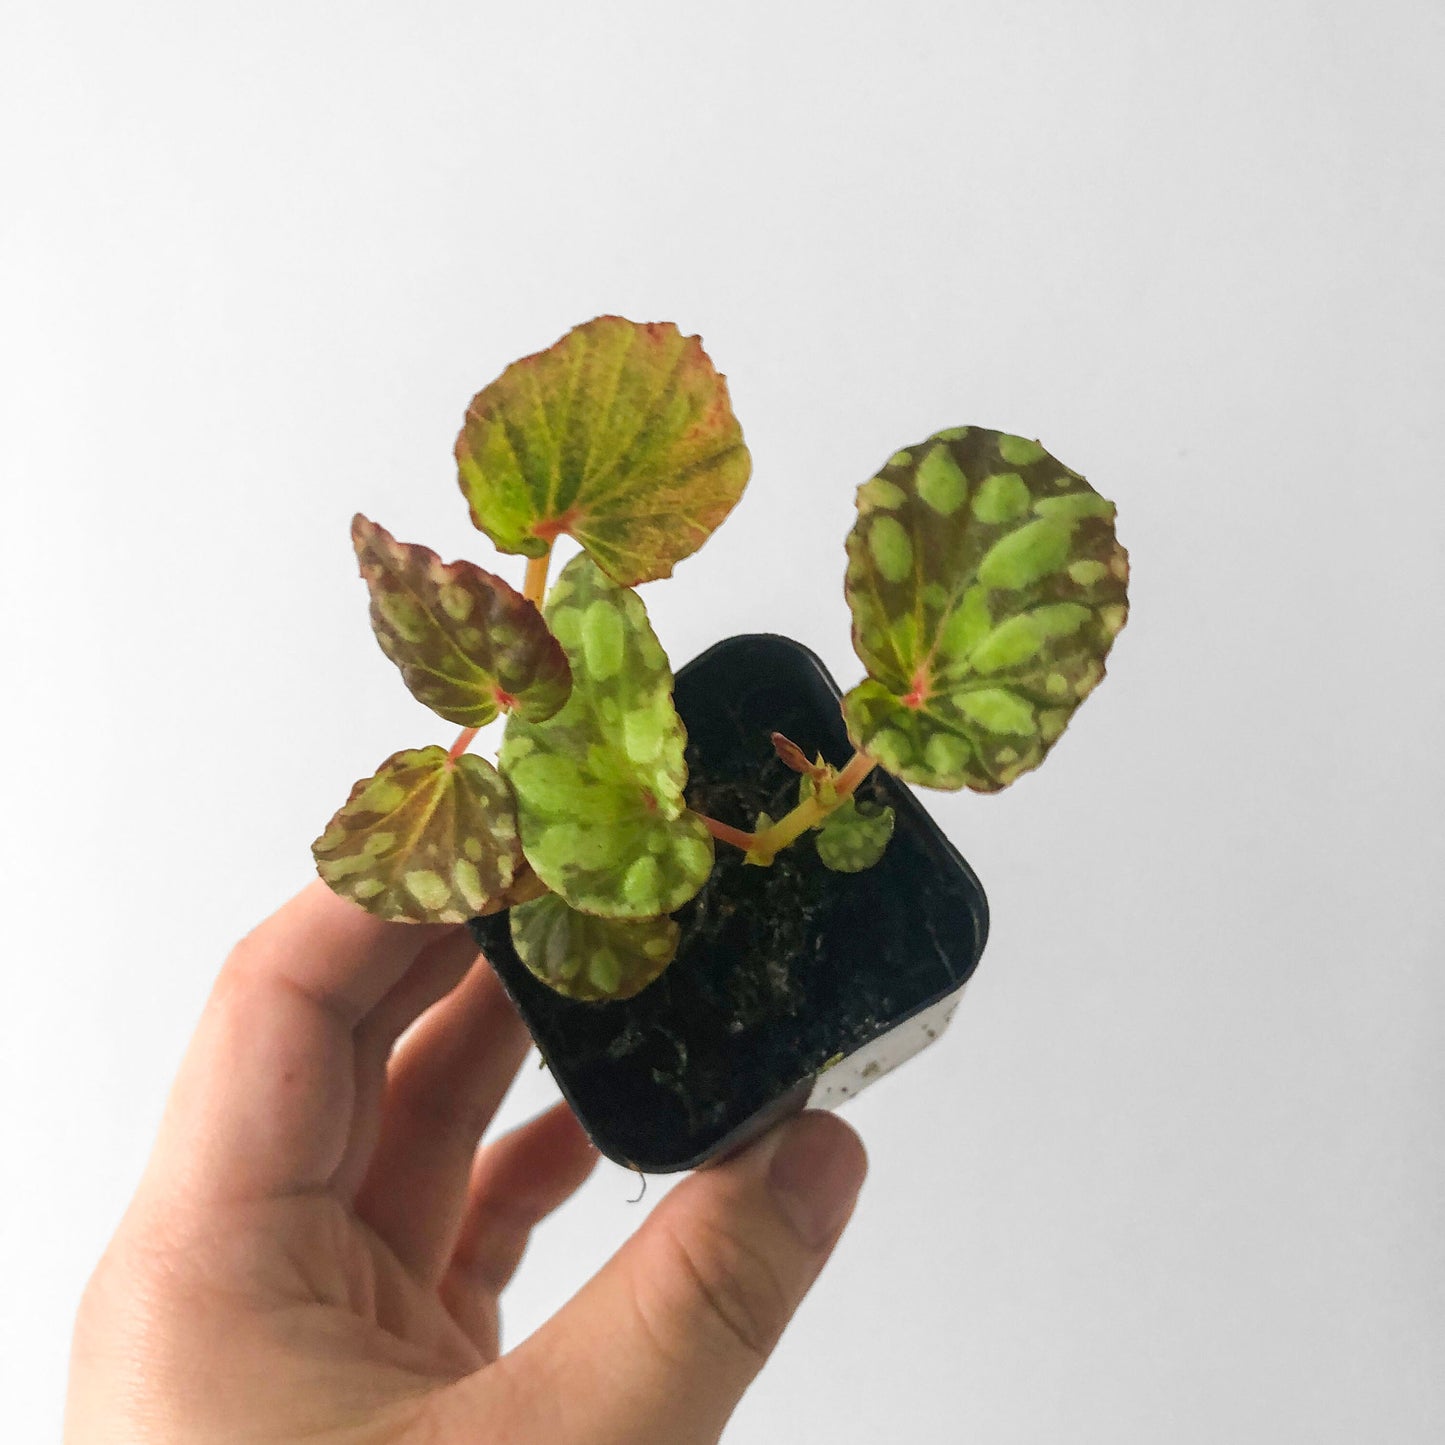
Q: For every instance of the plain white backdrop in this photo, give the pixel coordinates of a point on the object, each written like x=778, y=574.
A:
x=1177, y=1173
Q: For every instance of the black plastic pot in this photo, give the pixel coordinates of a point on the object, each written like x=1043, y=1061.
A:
x=793, y=985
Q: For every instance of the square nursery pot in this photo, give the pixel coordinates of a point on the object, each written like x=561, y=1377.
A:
x=793, y=985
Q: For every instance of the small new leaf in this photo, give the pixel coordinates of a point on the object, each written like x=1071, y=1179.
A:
x=620, y=435
x=821, y=780
x=790, y=754
x=987, y=587
x=467, y=644
x=591, y=958
x=426, y=839
x=854, y=835
x=599, y=786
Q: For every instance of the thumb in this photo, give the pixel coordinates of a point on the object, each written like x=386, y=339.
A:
x=658, y=1348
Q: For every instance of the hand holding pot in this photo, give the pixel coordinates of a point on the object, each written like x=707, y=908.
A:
x=317, y=1248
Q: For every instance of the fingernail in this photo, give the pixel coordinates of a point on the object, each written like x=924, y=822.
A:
x=815, y=1175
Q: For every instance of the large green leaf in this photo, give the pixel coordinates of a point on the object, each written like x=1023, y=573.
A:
x=591, y=958
x=987, y=587
x=426, y=839
x=599, y=786
x=621, y=435
x=466, y=643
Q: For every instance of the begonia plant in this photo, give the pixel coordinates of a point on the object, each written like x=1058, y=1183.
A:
x=986, y=587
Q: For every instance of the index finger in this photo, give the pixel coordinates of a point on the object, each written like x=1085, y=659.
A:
x=264, y=1099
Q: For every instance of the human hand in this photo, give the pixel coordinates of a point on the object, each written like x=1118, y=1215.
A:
x=316, y=1249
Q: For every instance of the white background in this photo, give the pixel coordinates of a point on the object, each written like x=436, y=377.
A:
x=1178, y=1171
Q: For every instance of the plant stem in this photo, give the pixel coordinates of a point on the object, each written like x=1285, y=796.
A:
x=534, y=589
x=787, y=830
x=857, y=768
x=811, y=811
x=463, y=742
x=727, y=834
x=765, y=846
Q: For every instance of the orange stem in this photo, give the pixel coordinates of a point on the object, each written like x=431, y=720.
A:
x=463, y=742
x=858, y=768
x=810, y=812
x=726, y=834
x=534, y=589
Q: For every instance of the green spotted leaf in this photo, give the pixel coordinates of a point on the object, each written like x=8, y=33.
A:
x=466, y=643
x=591, y=958
x=853, y=836
x=987, y=587
x=621, y=435
x=425, y=839
x=599, y=786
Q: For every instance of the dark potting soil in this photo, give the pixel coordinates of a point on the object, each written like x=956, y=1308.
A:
x=780, y=969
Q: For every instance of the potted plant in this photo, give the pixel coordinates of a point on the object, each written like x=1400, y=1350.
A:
x=712, y=898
